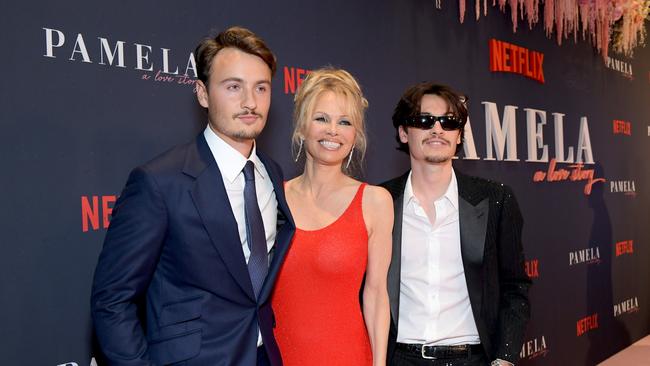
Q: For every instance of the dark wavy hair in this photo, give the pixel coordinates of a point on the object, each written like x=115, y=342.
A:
x=409, y=105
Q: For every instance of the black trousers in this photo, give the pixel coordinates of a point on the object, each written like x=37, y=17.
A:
x=405, y=358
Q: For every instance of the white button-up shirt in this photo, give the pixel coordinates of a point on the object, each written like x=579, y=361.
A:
x=231, y=163
x=434, y=304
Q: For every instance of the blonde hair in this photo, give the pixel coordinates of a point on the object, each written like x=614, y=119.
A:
x=341, y=83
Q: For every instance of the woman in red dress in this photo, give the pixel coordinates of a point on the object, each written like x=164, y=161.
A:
x=344, y=232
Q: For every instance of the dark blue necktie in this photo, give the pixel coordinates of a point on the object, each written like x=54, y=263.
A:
x=258, y=263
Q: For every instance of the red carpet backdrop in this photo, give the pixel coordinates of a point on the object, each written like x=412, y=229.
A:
x=90, y=90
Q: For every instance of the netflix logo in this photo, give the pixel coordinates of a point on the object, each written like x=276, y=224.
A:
x=624, y=247
x=532, y=268
x=93, y=208
x=621, y=127
x=507, y=57
x=586, y=324
x=293, y=77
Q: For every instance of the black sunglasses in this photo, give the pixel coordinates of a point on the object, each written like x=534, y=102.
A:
x=427, y=121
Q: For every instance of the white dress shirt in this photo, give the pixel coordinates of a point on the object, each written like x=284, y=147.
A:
x=434, y=306
x=231, y=163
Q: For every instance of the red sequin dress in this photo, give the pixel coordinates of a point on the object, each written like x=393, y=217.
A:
x=316, y=297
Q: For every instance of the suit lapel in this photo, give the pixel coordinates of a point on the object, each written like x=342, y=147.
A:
x=285, y=231
x=396, y=189
x=211, y=201
x=473, y=225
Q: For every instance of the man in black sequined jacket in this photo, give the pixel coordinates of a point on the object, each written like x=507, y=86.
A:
x=457, y=286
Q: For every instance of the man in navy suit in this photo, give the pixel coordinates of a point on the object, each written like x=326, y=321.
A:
x=199, y=233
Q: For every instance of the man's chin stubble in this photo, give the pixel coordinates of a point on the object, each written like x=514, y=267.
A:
x=246, y=135
x=437, y=159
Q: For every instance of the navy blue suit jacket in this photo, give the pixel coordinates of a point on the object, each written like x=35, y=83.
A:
x=171, y=285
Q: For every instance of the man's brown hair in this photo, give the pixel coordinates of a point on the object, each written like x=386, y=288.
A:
x=234, y=37
x=409, y=105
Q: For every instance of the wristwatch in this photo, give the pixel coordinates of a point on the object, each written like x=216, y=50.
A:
x=498, y=362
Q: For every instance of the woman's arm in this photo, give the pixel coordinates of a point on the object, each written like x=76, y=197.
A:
x=378, y=215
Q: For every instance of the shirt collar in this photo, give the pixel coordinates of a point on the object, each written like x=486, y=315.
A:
x=452, y=190
x=450, y=194
x=408, y=190
x=230, y=161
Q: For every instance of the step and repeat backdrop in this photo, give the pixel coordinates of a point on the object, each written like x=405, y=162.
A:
x=91, y=90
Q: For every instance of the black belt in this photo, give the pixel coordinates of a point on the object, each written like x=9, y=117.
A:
x=441, y=352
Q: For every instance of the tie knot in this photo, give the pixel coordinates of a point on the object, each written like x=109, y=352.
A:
x=249, y=171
